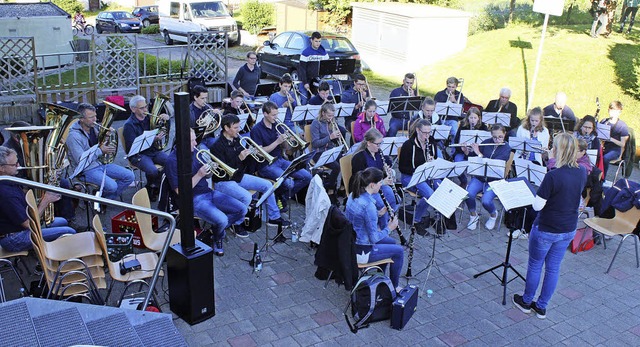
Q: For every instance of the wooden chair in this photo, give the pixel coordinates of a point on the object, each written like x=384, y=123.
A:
x=345, y=170
x=152, y=240
x=6, y=257
x=623, y=224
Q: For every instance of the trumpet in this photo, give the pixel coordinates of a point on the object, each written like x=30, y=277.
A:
x=292, y=138
x=209, y=119
x=341, y=141
x=214, y=165
x=257, y=152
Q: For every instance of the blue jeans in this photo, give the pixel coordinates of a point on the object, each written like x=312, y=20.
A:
x=454, y=127
x=424, y=190
x=388, y=194
x=219, y=210
x=463, y=178
x=396, y=124
x=146, y=162
x=296, y=181
x=117, y=180
x=548, y=249
x=473, y=188
x=386, y=248
x=240, y=191
x=608, y=156
x=21, y=241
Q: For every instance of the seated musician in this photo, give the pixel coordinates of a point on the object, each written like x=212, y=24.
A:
x=199, y=97
x=238, y=107
x=372, y=240
x=228, y=149
x=586, y=130
x=138, y=123
x=82, y=136
x=533, y=127
x=248, y=76
x=285, y=98
x=15, y=232
x=400, y=120
x=427, y=112
x=495, y=148
x=417, y=150
x=323, y=96
x=367, y=120
x=266, y=135
x=325, y=136
x=212, y=206
x=451, y=95
x=503, y=105
x=357, y=94
x=559, y=108
x=473, y=121
x=368, y=155
x=614, y=147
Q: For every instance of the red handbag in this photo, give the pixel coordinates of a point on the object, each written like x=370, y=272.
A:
x=583, y=240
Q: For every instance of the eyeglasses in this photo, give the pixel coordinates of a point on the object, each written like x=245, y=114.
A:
x=14, y=165
x=498, y=137
x=143, y=106
x=376, y=143
x=252, y=58
x=587, y=127
x=361, y=84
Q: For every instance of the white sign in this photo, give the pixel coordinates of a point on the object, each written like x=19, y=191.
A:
x=552, y=7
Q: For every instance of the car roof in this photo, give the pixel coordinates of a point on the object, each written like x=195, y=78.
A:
x=309, y=32
x=114, y=12
x=145, y=7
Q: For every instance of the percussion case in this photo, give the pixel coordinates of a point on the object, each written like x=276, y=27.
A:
x=404, y=306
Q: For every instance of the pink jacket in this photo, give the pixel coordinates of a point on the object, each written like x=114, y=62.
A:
x=360, y=126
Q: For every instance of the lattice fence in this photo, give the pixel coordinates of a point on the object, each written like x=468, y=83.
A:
x=17, y=67
x=116, y=61
x=208, y=56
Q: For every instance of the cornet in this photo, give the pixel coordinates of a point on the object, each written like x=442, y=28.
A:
x=214, y=165
x=257, y=152
x=292, y=138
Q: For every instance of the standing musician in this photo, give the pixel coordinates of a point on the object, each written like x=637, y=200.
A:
x=84, y=135
x=586, y=130
x=559, y=108
x=325, y=136
x=368, y=155
x=473, y=121
x=212, y=206
x=481, y=184
x=15, y=233
x=310, y=64
x=451, y=95
x=286, y=98
x=228, y=149
x=323, y=96
x=200, y=95
x=371, y=240
x=417, y=150
x=630, y=11
x=248, y=76
x=533, y=127
x=357, y=94
x=137, y=124
x=266, y=135
x=614, y=147
x=367, y=120
x=503, y=105
x=400, y=120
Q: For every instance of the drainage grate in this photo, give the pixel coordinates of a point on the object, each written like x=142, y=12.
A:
x=17, y=326
x=62, y=328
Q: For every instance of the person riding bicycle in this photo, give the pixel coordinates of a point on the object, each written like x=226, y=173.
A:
x=79, y=19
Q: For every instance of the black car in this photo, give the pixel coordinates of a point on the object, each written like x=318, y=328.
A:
x=117, y=22
x=282, y=54
x=147, y=14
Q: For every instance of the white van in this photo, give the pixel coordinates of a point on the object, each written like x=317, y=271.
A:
x=179, y=17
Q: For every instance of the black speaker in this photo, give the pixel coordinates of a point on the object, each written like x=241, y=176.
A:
x=191, y=293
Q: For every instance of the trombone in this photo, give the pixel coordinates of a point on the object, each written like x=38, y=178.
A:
x=292, y=139
x=257, y=152
x=214, y=165
x=341, y=140
x=461, y=80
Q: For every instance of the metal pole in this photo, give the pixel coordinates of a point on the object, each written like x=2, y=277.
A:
x=183, y=151
x=535, y=72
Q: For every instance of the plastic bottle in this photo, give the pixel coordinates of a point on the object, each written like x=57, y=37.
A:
x=294, y=232
x=429, y=293
x=257, y=267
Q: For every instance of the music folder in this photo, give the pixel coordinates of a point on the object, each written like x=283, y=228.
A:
x=604, y=131
x=447, y=197
x=513, y=193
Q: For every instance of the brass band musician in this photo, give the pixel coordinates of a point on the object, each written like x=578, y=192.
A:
x=325, y=135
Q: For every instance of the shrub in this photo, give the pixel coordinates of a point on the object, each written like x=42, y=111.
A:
x=257, y=15
x=150, y=65
x=70, y=6
x=151, y=29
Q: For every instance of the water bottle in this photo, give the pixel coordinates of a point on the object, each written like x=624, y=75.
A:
x=429, y=293
x=294, y=232
x=257, y=267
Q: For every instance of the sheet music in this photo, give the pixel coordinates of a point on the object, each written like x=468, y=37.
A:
x=244, y=117
x=440, y=132
x=85, y=160
x=530, y=171
x=421, y=174
x=353, y=148
x=448, y=110
x=344, y=109
x=329, y=156
x=442, y=169
x=593, y=156
x=491, y=118
x=282, y=113
x=390, y=145
x=604, y=131
x=142, y=142
x=382, y=107
x=512, y=194
x=484, y=167
x=447, y=198
x=474, y=136
x=305, y=112
x=524, y=144
x=460, y=167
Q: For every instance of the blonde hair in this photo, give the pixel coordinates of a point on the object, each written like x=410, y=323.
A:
x=370, y=136
x=536, y=111
x=565, y=149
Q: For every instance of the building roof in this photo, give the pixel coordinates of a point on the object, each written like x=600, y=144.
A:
x=411, y=10
x=37, y=9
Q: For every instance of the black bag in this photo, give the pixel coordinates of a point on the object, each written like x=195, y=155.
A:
x=404, y=306
x=252, y=221
x=371, y=299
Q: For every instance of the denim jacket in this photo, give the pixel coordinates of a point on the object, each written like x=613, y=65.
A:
x=362, y=213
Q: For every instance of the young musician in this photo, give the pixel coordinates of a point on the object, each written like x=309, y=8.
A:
x=323, y=96
x=285, y=98
x=533, y=127
x=84, y=135
x=265, y=134
x=212, y=206
x=427, y=112
x=325, y=136
x=586, y=130
x=473, y=121
x=614, y=147
x=362, y=213
x=228, y=149
x=367, y=120
x=310, y=64
x=238, y=107
x=368, y=155
x=557, y=201
x=137, y=124
x=419, y=149
x=451, y=95
x=503, y=105
x=357, y=94
x=400, y=120
x=559, y=108
x=248, y=76
x=15, y=233
x=495, y=148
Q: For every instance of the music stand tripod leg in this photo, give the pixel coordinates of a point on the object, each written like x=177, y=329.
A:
x=432, y=262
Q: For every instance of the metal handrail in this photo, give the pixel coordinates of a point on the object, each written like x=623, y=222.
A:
x=109, y=202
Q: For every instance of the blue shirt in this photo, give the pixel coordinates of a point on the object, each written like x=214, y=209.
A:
x=279, y=100
x=13, y=211
x=310, y=63
x=362, y=213
x=264, y=136
x=171, y=170
x=351, y=96
x=618, y=130
x=562, y=188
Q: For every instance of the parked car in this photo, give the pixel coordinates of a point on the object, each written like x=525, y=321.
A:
x=147, y=14
x=282, y=54
x=117, y=22
x=178, y=18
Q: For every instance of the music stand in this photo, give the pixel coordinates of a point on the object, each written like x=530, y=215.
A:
x=270, y=242
x=142, y=142
x=344, y=109
x=603, y=131
x=390, y=145
x=337, y=67
x=440, y=132
x=421, y=174
x=265, y=89
x=244, y=117
x=401, y=104
x=282, y=113
x=199, y=130
x=448, y=111
x=525, y=145
x=305, y=113
x=557, y=123
x=530, y=171
x=353, y=148
x=328, y=156
x=86, y=159
x=382, y=107
x=491, y=118
x=512, y=193
x=467, y=137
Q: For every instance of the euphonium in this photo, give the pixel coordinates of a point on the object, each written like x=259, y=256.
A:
x=209, y=119
x=106, y=136
x=291, y=137
x=214, y=165
x=257, y=152
x=159, y=123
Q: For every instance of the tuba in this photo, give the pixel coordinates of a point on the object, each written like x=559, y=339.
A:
x=214, y=165
x=293, y=139
x=257, y=152
x=106, y=136
x=159, y=123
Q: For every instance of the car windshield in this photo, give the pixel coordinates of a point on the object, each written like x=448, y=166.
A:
x=337, y=45
x=122, y=15
x=209, y=9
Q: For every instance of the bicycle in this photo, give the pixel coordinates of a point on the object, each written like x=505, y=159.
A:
x=77, y=28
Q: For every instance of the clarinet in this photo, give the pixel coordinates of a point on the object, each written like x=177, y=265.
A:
x=410, y=258
x=391, y=175
x=392, y=215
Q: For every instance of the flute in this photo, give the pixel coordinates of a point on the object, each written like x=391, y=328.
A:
x=479, y=144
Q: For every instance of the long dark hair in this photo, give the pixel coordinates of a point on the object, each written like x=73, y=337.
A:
x=363, y=178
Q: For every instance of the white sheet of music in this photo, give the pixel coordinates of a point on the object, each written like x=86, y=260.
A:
x=344, y=109
x=531, y=171
x=604, y=131
x=442, y=169
x=447, y=197
x=390, y=145
x=512, y=194
x=494, y=167
x=305, y=111
x=440, y=132
x=491, y=118
x=593, y=156
x=383, y=107
x=421, y=174
x=282, y=113
x=474, y=136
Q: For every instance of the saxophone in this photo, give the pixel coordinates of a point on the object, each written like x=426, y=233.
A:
x=159, y=123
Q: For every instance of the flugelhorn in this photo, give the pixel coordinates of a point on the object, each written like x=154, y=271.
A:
x=214, y=165
x=292, y=138
x=257, y=152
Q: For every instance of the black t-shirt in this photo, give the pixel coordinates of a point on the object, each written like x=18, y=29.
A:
x=561, y=188
x=13, y=211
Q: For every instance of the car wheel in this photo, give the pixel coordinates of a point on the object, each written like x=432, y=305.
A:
x=294, y=75
x=117, y=30
x=98, y=29
x=167, y=40
x=146, y=23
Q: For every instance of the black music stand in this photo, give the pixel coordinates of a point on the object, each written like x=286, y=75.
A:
x=558, y=124
x=402, y=104
x=530, y=171
x=506, y=265
x=337, y=67
x=265, y=89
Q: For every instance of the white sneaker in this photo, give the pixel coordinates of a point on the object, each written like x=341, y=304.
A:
x=473, y=222
x=491, y=222
x=516, y=233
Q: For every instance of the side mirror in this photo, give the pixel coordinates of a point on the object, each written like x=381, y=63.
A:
x=267, y=43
